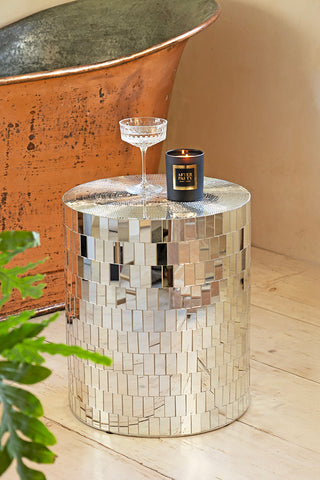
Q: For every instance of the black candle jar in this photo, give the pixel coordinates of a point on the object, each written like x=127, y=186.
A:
x=184, y=168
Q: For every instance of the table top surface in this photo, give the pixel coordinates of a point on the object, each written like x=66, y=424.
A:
x=109, y=198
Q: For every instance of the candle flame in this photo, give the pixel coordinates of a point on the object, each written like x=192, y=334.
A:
x=184, y=153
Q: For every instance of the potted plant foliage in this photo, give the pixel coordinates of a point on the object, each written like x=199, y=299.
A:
x=22, y=345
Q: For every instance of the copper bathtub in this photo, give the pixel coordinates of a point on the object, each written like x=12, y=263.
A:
x=67, y=76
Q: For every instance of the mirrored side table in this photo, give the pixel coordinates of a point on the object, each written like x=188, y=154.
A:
x=163, y=288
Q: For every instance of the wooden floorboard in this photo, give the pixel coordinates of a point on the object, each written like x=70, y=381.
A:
x=285, y=343
x=284, y=405
x=277, y=438
x=285, y=285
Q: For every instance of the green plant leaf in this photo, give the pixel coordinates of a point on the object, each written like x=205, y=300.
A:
x=33, y=428
x=14, y=320
x=17, y=335
x=27, y=473
x=25, y=352
x=9, y=280
x=14, y=242
x=67, y=350
x=22, y=349
x=5, y=459
x=21, y=270
x=18, y=241
x=23, y=372
x=3, y=427
x=24, y=401
x=4, y=299
x=33, y=451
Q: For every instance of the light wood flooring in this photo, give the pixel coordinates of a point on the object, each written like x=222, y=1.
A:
x=277, y=438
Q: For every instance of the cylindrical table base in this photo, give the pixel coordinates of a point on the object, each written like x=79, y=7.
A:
x=168, y=301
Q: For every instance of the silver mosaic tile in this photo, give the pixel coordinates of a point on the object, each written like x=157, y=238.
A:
x=164, y=290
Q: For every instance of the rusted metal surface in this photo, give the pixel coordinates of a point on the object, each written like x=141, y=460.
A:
x=60, y=128
x=88, y=32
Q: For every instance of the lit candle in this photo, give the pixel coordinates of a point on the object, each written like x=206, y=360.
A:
x=184, y=174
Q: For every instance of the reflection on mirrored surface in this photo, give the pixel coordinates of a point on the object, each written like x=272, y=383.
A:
x=164, y=290
x=109, y=198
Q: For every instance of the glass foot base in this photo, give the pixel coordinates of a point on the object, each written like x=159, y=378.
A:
x=144, y=189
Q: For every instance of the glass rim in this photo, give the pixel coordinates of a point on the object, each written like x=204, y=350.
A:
x=124, y=122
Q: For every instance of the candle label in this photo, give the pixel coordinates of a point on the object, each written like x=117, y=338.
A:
x=184, y=177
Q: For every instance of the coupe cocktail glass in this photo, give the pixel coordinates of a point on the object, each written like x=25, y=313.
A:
x=143, y=132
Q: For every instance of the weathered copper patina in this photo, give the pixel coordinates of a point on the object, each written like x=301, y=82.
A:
x=67, y=76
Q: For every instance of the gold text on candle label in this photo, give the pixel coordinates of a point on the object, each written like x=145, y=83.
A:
x=185, y=177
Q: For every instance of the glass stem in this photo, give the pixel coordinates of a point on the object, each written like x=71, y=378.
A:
x=144, y=167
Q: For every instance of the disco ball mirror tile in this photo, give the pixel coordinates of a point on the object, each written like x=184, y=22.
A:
x=163, y=288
